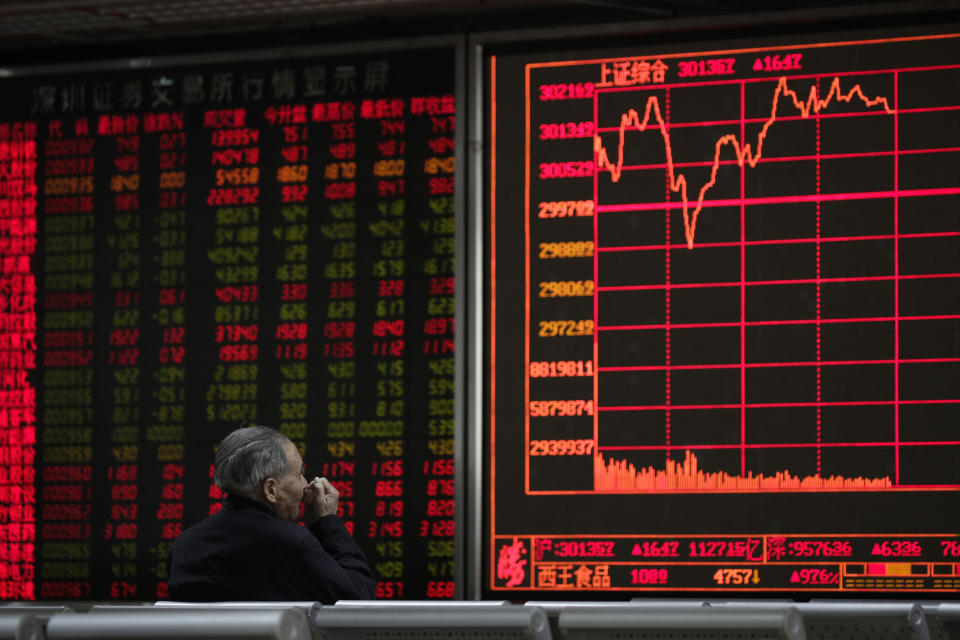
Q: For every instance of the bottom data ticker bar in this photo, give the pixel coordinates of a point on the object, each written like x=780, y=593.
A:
x=788, y=563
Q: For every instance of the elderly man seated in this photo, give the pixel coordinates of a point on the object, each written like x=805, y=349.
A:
x=253, y=549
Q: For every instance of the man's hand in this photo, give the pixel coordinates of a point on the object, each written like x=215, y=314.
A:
x=322, y=496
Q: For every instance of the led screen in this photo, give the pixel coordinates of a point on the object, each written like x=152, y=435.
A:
x=724, y=339
x=188, y=247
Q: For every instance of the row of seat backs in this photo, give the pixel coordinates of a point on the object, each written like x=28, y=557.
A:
x=489, y=620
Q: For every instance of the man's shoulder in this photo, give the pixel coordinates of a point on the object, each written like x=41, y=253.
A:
x=238, y=522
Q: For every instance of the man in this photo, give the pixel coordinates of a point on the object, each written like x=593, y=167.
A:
x=253, y=549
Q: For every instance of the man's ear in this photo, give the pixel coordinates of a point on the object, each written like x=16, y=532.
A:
x=270, y=490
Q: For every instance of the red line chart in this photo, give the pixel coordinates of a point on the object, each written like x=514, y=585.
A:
x=745, y=154
x=735, y=351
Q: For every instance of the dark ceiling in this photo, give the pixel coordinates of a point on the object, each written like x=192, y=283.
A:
x=43, y=31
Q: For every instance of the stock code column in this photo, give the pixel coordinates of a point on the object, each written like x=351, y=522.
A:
x=191, y=248
x=65, y=418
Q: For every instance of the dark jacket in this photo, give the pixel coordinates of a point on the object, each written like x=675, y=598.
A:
x=244, y=552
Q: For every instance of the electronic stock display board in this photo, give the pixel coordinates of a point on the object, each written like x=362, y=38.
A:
x=187, y=247
x=724, y=316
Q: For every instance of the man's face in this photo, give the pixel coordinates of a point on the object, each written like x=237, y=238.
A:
x=291, y=485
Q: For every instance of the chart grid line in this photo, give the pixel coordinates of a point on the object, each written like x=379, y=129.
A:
x=896, y=273
x=743, y=280
x=825, y=197
x=786, y=445
x=764, y=323
x=819, y=278
x=763, y=243
x=772, y=405
x=785, y=281
x=769, y=365
x=667, y=280
x=595, y=354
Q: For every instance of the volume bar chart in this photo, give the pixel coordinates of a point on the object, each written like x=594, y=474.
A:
x=742, y=271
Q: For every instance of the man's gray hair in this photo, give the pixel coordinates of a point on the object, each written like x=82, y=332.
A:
x=248, y=456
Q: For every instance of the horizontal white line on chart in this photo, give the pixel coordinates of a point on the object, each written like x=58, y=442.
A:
x=824, y=197
x=769, y=445
x=767, y=323
x=764, y=283
x=762, y=365
x=760, y=243
x=769, y=405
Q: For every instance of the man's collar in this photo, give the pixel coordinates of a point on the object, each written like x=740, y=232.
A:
x=236, y=501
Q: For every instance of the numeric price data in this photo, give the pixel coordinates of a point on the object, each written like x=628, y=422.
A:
x=189, y=247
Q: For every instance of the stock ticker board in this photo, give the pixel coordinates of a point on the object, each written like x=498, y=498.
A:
x=190, y=247
x=732, y=358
